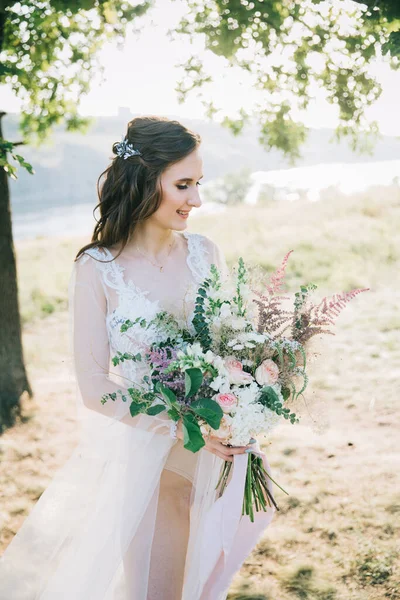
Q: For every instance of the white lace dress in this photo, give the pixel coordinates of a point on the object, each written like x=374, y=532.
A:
x=104, y=499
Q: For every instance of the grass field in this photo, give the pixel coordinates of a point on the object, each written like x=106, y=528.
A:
x=336, y=536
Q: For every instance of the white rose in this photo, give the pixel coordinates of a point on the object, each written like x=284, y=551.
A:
x=267, y=373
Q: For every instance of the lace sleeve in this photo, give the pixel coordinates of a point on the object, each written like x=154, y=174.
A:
x=218, y=258
x=214, y=255
x=91, y=350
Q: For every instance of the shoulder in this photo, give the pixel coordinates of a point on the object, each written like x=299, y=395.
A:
x=202, y=241
x=207, y=252
x=92, y=264
x=99, y=256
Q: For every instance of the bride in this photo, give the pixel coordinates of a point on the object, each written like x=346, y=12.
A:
x=133, y=515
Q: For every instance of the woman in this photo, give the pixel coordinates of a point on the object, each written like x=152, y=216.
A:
x=133, y=515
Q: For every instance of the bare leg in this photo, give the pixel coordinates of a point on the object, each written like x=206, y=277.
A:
x=170, y=538
x=167, y=550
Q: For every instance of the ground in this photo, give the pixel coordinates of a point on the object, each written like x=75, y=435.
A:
x=336, y=535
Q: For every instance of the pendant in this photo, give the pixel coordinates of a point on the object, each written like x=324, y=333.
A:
x=161, y=268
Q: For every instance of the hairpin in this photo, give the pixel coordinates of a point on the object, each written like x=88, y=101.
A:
x=125, y=149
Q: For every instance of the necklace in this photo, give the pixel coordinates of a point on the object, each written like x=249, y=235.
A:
x=161, y=267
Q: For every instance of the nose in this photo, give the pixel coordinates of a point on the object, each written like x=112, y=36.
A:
x=195, y=199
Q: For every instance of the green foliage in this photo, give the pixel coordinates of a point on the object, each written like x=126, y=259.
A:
x=304, y=583
x=192, y=437
x=300, y=300
x=241, y=278
x=270, y=399
x=193, y=380
x=49, y=57
x=199, y=319
x=372, y=567
x=273, y=42
x=9, y=147
x=120, y=357
x=209, y=410
x=155, y=410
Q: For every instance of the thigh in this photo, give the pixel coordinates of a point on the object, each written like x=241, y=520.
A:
x=155, y=561
x=171, y=536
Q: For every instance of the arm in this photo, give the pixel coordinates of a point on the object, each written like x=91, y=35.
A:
x=91, y=350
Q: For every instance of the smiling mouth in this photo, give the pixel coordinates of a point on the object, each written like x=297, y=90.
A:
x=182, y=212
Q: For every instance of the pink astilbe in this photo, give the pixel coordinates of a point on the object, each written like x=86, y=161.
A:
x=277, y=278
x=271, y=316
x=159, y=356
x=314, y=319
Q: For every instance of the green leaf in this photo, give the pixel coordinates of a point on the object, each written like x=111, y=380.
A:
x=285, y=393
x=155, y=410
x=209, y=410
x=174, y=414
x=136, y=408
x=192, y=437
x=168, y=395
x=193, y=380
x=270, y=394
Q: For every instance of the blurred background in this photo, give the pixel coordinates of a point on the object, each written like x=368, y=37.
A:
x=297, y=106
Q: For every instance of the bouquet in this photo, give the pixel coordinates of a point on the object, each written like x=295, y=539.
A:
x=237, y=373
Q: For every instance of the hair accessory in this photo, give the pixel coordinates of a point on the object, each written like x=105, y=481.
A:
x=125, y=149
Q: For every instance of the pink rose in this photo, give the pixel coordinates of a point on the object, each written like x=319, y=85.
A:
x=223, y=432
x=235, y=371
x=226, y=401
x=267, y=373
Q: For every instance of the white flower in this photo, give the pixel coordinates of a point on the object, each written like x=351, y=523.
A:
x=196, y=349
x=220, y=384
x=245, y=291
x=225, y=311
x=247, y=363
x=238, y=322
x=238, y=347
x=252, y=311
x=216, y=323
x=255, y=336
x=219, y=365
x=232, y=342
x=209, y=356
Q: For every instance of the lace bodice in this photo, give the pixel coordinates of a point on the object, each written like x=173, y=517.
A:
x=108, y=292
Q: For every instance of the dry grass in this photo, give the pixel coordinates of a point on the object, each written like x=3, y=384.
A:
x=336, y=535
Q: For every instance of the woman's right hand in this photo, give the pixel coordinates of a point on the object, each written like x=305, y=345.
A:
x=215, y=446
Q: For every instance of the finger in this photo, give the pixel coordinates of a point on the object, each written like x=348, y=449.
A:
x=237, y=450
x=219, y=454
x=224, y=457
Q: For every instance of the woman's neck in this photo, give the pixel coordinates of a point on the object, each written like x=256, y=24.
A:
x=154, y=242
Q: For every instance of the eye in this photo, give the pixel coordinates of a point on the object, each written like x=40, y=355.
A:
x=185, y=187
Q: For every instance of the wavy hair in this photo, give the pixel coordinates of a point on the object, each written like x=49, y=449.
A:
x=129, y=190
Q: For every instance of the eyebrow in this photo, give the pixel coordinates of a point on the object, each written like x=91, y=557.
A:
x=188, y=178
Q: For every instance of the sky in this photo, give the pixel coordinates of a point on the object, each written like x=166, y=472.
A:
x=143, y=74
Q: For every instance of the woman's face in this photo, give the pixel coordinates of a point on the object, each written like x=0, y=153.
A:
x=180, y=192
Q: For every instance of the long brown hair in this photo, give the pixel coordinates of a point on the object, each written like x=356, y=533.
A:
x=131, y=191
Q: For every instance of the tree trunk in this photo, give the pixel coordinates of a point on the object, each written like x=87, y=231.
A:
x=13, y=377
